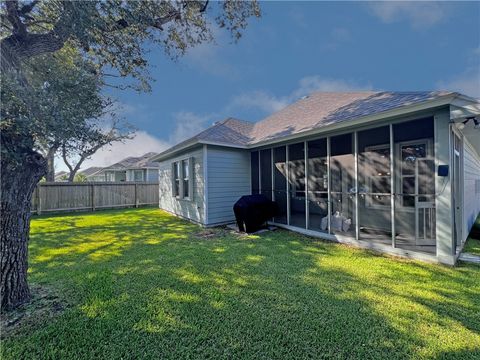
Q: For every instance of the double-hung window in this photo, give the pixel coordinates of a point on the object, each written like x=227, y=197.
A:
x=138, y=175
x=186, y=178
x=182, y=179
x=176, y=179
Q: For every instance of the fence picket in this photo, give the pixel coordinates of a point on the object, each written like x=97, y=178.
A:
x=58, y=197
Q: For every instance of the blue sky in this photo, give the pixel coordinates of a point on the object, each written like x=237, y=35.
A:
x=300, y=47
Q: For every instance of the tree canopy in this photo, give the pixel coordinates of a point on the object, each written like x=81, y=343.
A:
x=54, y=57
x=113, y=33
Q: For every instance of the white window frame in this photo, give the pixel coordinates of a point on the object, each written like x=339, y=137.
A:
x=110, y=176
x=399, y=168
x=185, y=178
x=368, y=201
x=181, y=179
x=176, y=166
x=142, y=177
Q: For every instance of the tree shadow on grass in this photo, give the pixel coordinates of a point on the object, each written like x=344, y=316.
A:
x=277, y=295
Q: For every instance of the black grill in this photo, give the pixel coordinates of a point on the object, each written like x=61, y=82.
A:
x=253, y=211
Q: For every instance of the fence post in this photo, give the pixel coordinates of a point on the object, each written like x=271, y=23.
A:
x=93, y=196
x=136, y=195
x=39, y=203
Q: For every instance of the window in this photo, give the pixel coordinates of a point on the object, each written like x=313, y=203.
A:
x=176, y=179
x=186, y=178
x=138, y=175
x=182, y=186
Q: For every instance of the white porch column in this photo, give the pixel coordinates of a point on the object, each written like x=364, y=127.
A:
x=443, y=199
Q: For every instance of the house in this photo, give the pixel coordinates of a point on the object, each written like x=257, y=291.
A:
x=140, y=169
x=397, y=172
x=61, y=176
x=90, y=173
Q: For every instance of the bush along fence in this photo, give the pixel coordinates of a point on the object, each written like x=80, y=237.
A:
x=58, y=197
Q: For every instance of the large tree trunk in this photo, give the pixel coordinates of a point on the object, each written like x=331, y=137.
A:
x=21, y=170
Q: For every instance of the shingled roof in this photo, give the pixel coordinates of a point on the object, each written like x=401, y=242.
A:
x=230, y=132
x=90, y=171
x=325, y=108
x=315, y=111
x=135, y=162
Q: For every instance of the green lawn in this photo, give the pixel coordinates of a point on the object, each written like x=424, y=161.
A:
x=473, y=242
x=142, y=284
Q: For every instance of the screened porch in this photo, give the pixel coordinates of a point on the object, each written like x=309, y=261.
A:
x=375, y=185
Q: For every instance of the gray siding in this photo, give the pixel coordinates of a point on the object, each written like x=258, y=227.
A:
x=471, y=175
x=228, y=174
x=190, y=209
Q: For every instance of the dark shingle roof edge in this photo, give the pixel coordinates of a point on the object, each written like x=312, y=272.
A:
x=229, y=132
x=369, y=105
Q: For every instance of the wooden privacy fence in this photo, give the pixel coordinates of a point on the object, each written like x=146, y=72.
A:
x=57, y=196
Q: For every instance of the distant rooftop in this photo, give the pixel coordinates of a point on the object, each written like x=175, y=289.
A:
x=137, y=162
x=90, y=171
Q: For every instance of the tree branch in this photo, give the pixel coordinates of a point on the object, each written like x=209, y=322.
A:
x=27, y=8
x=65, y=158
x=19, y=29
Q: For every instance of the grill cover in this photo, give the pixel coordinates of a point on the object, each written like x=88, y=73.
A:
x=252, y=211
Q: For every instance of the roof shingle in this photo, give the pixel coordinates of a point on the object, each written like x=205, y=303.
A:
x=311, y=112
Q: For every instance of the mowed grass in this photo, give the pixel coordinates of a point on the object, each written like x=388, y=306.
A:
x=143, y=284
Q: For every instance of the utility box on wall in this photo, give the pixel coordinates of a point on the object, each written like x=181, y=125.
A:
x=443, y=170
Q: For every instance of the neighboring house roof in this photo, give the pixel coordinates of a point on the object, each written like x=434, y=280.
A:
x=90, y=171
x=139, y=162
x=318, y=110
x=60, y=174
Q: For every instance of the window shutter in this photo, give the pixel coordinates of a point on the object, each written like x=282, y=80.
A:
x=190, y=178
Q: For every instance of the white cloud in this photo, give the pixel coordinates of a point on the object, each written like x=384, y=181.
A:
x=260, y=100
x=467, y=83
x=142, y=143
x=420, y=14
x=314, y=83
x=187, y=125
x=270, y=103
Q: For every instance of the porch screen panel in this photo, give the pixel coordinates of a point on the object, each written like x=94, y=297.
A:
x=280, y=183
x=374, y=185
x=266, y=173
x=317, y=185
x=254, y=171
x=296, y=163
x=342, y=185
x=415, y=215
